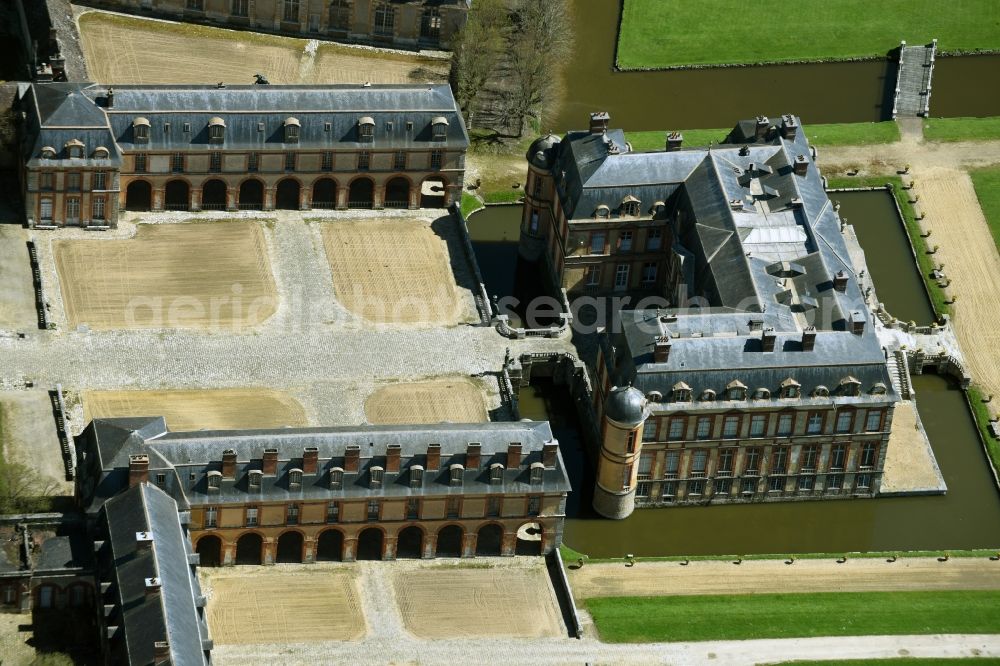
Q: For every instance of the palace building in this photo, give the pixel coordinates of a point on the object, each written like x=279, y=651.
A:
x=425, y=24
x=90, y=151
x=372, y=492
x=753, y=371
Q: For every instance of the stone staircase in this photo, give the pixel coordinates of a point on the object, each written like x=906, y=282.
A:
x=899, y=374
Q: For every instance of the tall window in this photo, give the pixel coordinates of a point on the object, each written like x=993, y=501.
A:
x=211, y=516
x=295, y=478
x=374, y=509
x=240, y=8
x=534, y=505
x=215, y=162
x=649, y=273
x=654, y=239
x=364, y=160
x=699, y=462
x=726, y=458
x=46, y=180
x=873, y=422
x=399, y=160
x=291, y=132
x=869, y=455
x=838, y=455
x=332, y=512
x=625, y=241
x=621, y=276
x=751, y=467
x=845, y=419
x=676, y=428
x=216, y=132
x=670, y=464
x=437, y=159
x=73, y=181
x=757, y=424
x=385, y=18
x=493, y=506
x=251, y=518
x=430, y=23
x=814, y=425
x=630, y=442
x=340, y=15
x=592, y=276
x=453, y=507
x=98, y=208
x=416, y=476
x=785, y=422
x=779, y=463
x=597, y=242
x=73, y=209
x=100, y=180
x=289, y=161
x=253, y=162
x=808, y=458
x=649, y=430
x=336, y=478
x=327, y=164
x=141, y=132
x=292, y=514
x=291, y=10
x=730, y=427
x=45, y=209
x=177, y=162
x=366, y=130
x=704, y=429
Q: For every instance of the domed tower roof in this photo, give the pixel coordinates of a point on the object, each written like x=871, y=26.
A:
x=626, y=405
x=540, y=152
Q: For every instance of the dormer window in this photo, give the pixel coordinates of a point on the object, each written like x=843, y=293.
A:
x=253, y=479
x=375, y=475
x=366, y=129
x=214, y=480
x=602, y=211
x=101, y=153
x=216, y=130
x=336, y=478
x=762, y=394
x=439, y=128
x=416, y=476
x=457, y=472
x=496, y=474
x=48, y=153
x=630, y=206
x=850, y=386
x=821, y=391
x=790, y=388
x=708, y=395
x=294, y=478
x=736, y=390
x=537, y=471
x=140, y=130
x=878, y=389
x=681, y=392
x=292, y=130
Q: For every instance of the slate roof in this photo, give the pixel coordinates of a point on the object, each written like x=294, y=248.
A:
x=172, y=614
x=185, y=458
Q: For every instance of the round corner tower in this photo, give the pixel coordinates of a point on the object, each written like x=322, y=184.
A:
x=621, y=444
x=538, y=193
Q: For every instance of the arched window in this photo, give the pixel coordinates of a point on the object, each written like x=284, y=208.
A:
x=216, y=130
x=292, y=130
x=140, y=130
x=878, y=389
x=294, y=478
x=708, y=395
x=48, y=152
x=366, y=129
x=375, y=476
x=416, y=476
x=762, y=394
x=850, y=386
x=101, y=153
x=602, y=211
x=496, y=474
x=457, y=474
x=214, y=480
x=821, y=391
x=439, y=128
x=253, y=478
x=336, y=478
x=537, y=470
x=736, y=390
x=340, y=15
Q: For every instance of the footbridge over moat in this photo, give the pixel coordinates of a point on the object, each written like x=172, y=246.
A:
x=912, y=96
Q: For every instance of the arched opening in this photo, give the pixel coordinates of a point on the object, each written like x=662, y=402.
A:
x=324, y=193
x=361, y=194
x=287, y=197
x=177, y=195
x=397, y=193
x=432, y=193
x=449, y=541
x=249, y=548
x=138, y=196
x=213, y=195
x=529, y=539
x=489, y=540
x=410, y=543
x=289, y=548
x=210, y=550
x=251, y=195
x=370, y=544
x=330, y=546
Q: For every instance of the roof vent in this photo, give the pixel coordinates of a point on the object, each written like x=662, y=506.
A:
x=143, y=539
x=153, y=585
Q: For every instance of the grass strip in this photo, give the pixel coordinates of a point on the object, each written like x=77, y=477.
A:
x=962, y=129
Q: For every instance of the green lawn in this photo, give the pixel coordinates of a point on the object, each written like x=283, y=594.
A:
x=470, y=202
x=835, y=134
x=664, y=33
x=925, y=262
x=962, y=129
x=987, y=184
x=739, y=617
x=905, y=661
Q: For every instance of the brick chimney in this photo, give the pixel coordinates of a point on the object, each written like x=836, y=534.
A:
x=310, y=459
x=352, y=458
x=229, y=464
x=110, y=97
x=434, y=456
x=269, y=466
x=800, y=165
x=152, y=586
x=550, y=451
x=599, y=122
x=809, y=339
x=840, y=281
x=767, y=339
x=789, y=126
x=473, y=454
x=143, y=540
x=762, y=125
x=392, y=454
x=661, y=349
x=857, y=322
x=674, y=141
x=138, y=469
x=514, y=455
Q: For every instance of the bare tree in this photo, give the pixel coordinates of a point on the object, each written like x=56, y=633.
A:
x=477, y=50
x=22, y=489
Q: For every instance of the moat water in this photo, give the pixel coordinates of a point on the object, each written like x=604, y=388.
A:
x=710, y=98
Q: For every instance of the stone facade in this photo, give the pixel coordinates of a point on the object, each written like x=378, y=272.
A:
x=429, y=24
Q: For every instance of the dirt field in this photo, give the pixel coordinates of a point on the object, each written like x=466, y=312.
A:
x=394, y=271
x=457, y=400
x=293, y=602
x=29, y=436
x=126, y=49
x=909, y=460
x=220, y=409
x=441, y=601
x=764, y=576
x=213, y=275
x=17, y=296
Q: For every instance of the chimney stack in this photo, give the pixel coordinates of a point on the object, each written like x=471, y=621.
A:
x=550, y=452
x=767, y=339
x=840, y=281
x=800, y=165
x=138, y=469
x=599, y=122
x=472, y=455
x=661, y=349
x=809, y=339
x=762, y=125
x=310, y=460
x=392, y=455
x=433, y=456
x=269, y=465
x=111, y=98
x=352, y=458
x=229, y=464
x=143, y=540
x=674, y=141
x=857, y=322
x=789, y=126
x=152, y=586
x=514, y=455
